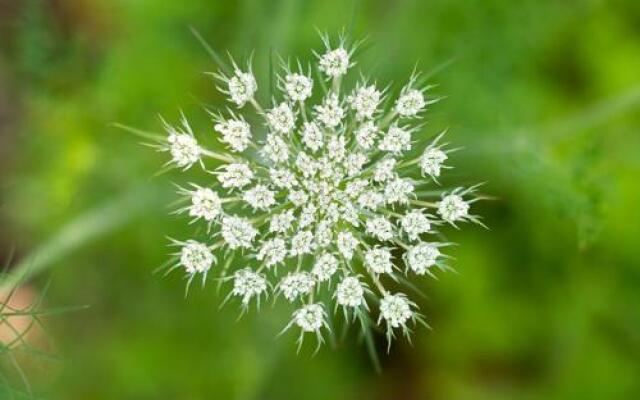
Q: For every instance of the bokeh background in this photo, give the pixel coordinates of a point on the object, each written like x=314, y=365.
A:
x=543, y=95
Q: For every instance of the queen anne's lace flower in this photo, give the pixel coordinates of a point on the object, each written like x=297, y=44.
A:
x=310, y=318
x=380, y=227
x=384, y=170
x=182, y=145
x=319, y=197
x=325, y=266
x=378, y=260
x=422, y=257
x=334, y=63
x=242, y=86
x=259, y=197
x=347, y=243
x=396, y=140
x=414, y=223
x=248, y=284
x=395, y=310
x=235, y=175
x=298, y=87
x=312, y=136
x=453, y=208
x=196, y=257
x=296, y=284
x=301, y=243
x=410, y=103
x=184, y=150
x=330, y=113
x=238, y=232
x=236, y=133
x=281, y=118
x=272, y=252
x=398, y=191
x=365, y=101
x=205, y=204
x=431, y=161
x=350, y=292
x=366, y=135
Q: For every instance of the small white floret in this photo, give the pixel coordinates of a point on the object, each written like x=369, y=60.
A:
x=421, y=257
x=296, y=284
x=325, y=266
x=350, y=292
x=281, y=118
x=410, y=103
x=453, y=208
x=378, y=260
x=205, y=204
x=334, y=63
x=196, y=257
x=242, y=86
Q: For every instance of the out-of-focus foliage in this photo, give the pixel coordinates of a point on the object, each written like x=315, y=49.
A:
x=543, y=95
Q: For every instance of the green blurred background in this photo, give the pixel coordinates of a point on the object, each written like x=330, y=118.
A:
x=543, y=95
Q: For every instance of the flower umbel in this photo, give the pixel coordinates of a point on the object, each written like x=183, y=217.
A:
x=319, y=198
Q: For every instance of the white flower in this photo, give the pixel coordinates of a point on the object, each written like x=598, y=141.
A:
x=396, y=140
x=453, y=208
x=196, y=257
x=378, y=260
x=325, y=266
x=248, y=284
x=275, y=149
x=298, y=197
x=298, y=87
x=330, y=113
x=238, y=232
x=235, y=175
x=272, y=252
x=356, y=187
x=184, y=150
x=395, y=309
x=370, y=200
x=301, y=243
x=282, y=222
x=306, y=165
x=332, y=191
x=308, y=215
x=347, y=243
x=431, y=161
x=366, y=135
x=335, y=62
x=422, y=257
x=398, y=191
x=312, y=136
x=235, y=133
x=324, y=234
x=310, y=318
x=205, y=204
x=415, y=223
x=384, y=170
x=259, y=197
x=410, y=103
x=349, y=214
x=282, y=178
x=336, y=149
x=380, y=227
x=281, y=118
x=365, y=101
x=354, y=163
x=296, y=284
x=350, y=292
x=242, y=86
